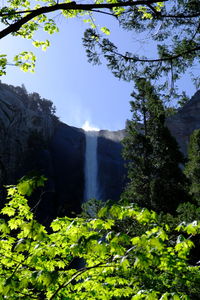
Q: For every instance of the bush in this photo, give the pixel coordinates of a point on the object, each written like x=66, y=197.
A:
x=35, y=264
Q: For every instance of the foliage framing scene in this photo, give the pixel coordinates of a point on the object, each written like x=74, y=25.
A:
x=126, y=250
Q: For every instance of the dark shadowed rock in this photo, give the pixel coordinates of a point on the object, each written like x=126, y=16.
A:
x=67, y=150
x=111, y=170
x=185, y=121
x=18, y=123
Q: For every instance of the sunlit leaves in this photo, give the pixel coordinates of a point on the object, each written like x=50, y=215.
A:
x=117, y=263
x=27, y=184
x=3, y=63
x=26, y=61
x=190, y=228
x=10, y=211
x=17, y=3
x=43, y=44
x=50, y=26
x=118, y=10
x=105, y=30
x=159, y=6
x=23, y=18
x=91, y=22
x=27, y=30
x=145, y=13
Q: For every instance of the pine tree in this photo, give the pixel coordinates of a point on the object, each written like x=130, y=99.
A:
x=192, y=168
x=152, y=154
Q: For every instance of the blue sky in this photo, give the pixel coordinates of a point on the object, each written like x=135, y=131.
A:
x=80, y=91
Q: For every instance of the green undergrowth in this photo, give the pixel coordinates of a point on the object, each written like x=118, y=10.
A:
x=115, y=260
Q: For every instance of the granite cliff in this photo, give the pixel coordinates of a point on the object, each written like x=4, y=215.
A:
x=32, y=139
x=111, y=170
x=185, y=121
x=24, y=123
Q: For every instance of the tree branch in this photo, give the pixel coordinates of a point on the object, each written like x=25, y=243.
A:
x=77, y=273
x=170, y=16
x=180, y=16
x=170, y=58
x=177, y=16
x=65, y=6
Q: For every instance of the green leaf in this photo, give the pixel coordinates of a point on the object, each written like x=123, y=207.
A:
x=105, y=30
x=25, y=187
x=8, y=210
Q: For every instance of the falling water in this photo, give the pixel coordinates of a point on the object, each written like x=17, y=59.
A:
x=91, y=184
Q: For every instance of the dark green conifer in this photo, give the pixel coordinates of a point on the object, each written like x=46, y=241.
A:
x=152, y=154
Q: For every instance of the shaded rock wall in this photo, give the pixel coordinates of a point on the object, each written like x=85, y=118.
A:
x=62, y=163
x=185, y=121
x=111, y=170
x=32, y=139
x=67, y=149
x=18, y=124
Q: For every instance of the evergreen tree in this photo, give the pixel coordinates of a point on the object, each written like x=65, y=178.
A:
x=192, y=168
x=153, y=157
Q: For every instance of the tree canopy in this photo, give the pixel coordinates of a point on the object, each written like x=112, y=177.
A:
x=173, y=27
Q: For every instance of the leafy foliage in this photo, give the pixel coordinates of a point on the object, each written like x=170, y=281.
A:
x=173, y=29
x=172, y=26
x=117, y=264
x=25, y=18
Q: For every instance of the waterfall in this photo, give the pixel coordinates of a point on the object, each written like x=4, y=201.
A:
x=91, y=183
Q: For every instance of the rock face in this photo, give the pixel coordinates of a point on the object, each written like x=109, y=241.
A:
x=185, y=121
x=20, y=127
x=67, y=148
x=32, y=139
x=111, y=170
